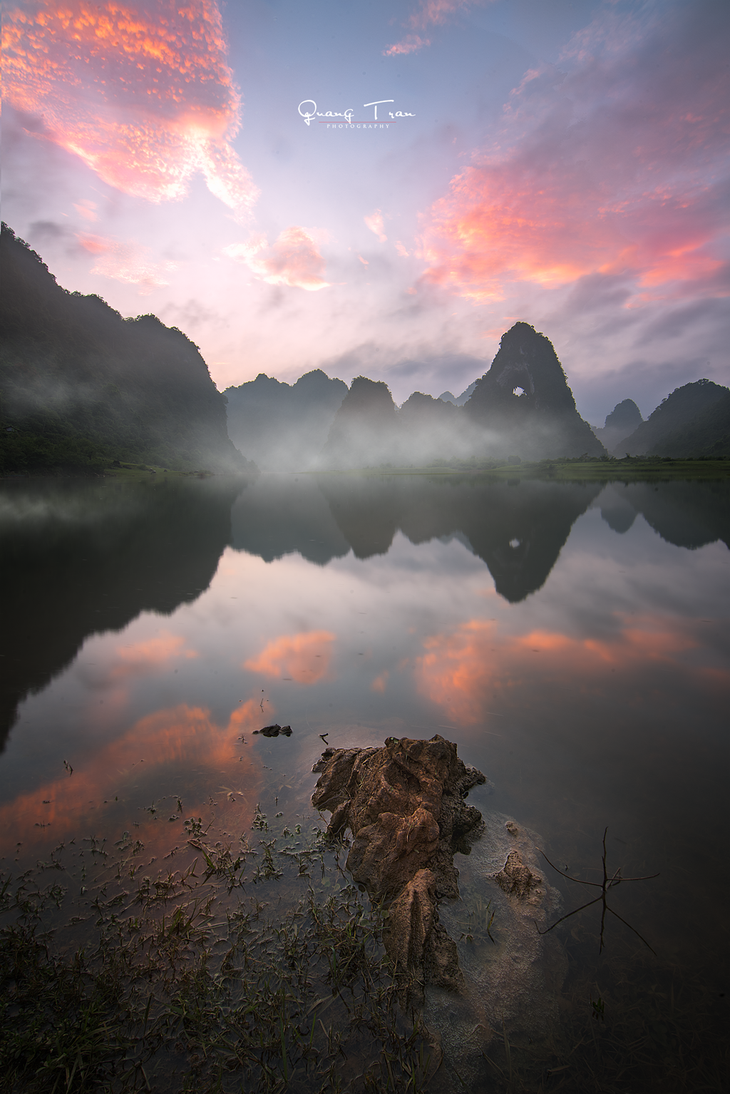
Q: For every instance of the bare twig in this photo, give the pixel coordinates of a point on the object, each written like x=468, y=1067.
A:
x=607, y=883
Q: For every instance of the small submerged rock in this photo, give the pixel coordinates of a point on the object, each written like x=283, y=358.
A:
x=514, y=976
x=404, y=804
x=274, y=731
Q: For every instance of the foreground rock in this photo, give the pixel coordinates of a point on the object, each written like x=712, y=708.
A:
x=404, y=805
x=483, y=965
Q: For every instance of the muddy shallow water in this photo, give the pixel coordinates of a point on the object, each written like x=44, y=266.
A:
x=571, y=639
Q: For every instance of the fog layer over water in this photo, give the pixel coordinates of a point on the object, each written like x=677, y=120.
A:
x=572, y=639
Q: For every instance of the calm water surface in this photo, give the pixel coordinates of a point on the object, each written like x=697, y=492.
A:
x=572, y=640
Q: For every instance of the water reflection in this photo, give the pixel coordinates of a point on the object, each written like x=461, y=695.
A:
x=518, y=530
x=178, y=740
x=84, y=558
x=302, y=657
x=585, y=671
x=80, y=558
x=286, y=514
x=687, y=514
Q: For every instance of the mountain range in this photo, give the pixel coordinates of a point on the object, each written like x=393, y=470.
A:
x=82, y=387
x=521, y=408
x=283, y=427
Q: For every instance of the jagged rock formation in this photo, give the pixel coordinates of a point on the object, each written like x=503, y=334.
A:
x=283, y=427
x=620, y=423
x=78, y=382
x=364, y=432
x=525, y=402
x=693, y=421
x=429, y=429
x=404, y=805
x=521, y=407
x=424, y=409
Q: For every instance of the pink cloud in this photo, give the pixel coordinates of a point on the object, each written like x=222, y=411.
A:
x=615, y=166
x=410, y=44
x=293, y=259
x=141, y=92
x=128, y=262
x=151, y=655
x=462, y=670
x=87, y=210
x=303, y=657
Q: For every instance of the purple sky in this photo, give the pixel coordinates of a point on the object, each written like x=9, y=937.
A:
x=562, y=162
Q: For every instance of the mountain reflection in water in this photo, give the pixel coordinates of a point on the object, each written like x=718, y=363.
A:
x=80, y=558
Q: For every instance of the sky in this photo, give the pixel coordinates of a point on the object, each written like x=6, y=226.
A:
x=384, y=189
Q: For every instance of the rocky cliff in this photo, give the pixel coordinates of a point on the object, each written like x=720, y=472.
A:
x=78, y=383
x=365, y=429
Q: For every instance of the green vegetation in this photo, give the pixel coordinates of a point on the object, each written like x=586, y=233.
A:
x=36, y=450
x=249, y=967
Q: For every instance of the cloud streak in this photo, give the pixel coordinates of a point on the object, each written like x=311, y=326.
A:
x=615, y=164
x=429, y=13
x=141, y=93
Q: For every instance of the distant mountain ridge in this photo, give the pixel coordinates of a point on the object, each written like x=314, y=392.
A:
x=81, y=385
x=458, y=400
x=281, y=426
x=620, y=423
x=521, y=407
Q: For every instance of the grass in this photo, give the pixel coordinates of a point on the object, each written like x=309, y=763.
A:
x=578, y=469
x=255, y=968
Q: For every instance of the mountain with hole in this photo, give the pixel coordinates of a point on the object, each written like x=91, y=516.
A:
x=525, y=404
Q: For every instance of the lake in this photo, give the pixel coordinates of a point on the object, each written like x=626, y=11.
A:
x=571, y=639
